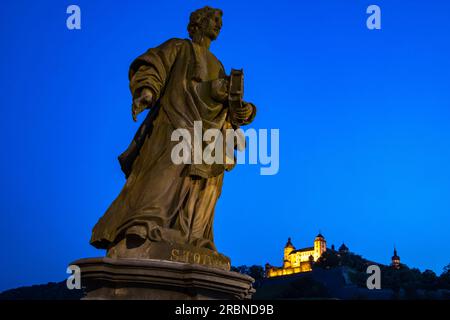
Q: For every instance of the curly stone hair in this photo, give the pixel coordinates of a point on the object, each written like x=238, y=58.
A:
x=198, y=20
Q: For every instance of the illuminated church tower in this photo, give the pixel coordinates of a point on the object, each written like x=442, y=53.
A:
x=395, y=260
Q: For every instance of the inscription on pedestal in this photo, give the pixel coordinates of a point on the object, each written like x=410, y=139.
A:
x=171, y=251
x=188, y=256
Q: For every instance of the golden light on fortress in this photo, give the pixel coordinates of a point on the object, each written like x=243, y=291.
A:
x=298, y=260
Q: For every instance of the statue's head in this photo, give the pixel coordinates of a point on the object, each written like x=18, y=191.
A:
x=205, y=22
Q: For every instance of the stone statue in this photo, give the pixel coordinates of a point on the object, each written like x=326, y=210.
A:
x=166, y=210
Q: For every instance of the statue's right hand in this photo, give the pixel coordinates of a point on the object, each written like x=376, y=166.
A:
x=142, y=102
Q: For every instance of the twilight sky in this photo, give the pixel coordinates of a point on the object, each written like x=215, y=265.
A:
x=363, y=117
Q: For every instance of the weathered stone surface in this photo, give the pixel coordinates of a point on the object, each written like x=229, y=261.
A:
x=141, y=279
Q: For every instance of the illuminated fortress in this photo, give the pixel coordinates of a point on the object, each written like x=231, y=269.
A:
x=298, y=260
x=302, y=260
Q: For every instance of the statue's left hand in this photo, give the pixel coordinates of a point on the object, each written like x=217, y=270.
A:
x=244, y=113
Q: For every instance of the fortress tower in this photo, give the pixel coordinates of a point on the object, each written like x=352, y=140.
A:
x=288, y=248
x=320, y=246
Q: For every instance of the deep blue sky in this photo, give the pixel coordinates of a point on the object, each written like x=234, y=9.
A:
x=363, y=116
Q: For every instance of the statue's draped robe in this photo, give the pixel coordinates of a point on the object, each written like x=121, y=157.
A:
x=174, y=203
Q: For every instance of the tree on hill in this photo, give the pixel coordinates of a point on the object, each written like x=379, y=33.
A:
x=403, y=278
x=328, y=259
x=429, y=280
x=254, y=271
x=444, y=278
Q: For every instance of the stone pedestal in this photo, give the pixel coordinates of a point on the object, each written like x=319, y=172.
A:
x=107, y=278
x=126, y=249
